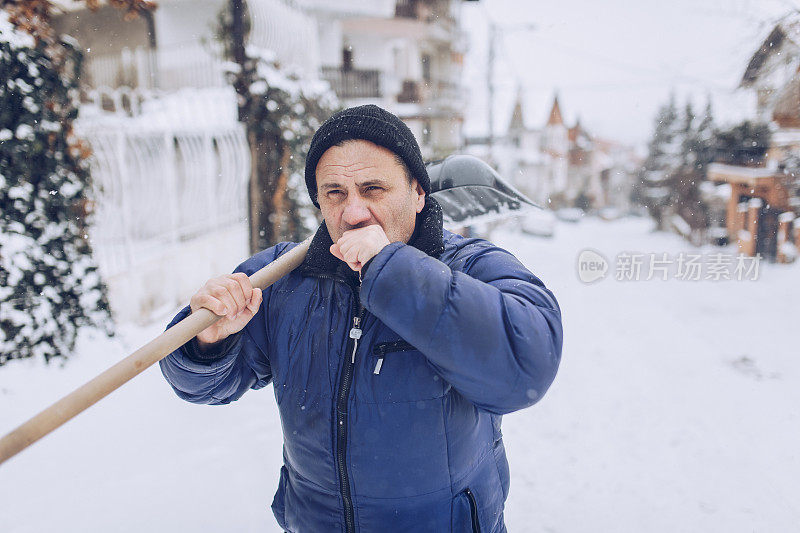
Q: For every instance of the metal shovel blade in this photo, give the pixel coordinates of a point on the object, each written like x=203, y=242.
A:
x=469, y=190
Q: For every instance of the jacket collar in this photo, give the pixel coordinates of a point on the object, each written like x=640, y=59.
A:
x=427, y=237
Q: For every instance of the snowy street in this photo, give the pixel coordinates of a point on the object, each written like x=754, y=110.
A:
x=676, y=408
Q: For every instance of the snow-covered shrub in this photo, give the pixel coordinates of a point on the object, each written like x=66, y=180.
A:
x=49, y=283
x=282, y=111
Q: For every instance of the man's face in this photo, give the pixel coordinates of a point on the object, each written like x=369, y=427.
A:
x=359, y=184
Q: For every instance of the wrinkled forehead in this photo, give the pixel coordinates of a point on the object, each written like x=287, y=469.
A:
x=359, y=159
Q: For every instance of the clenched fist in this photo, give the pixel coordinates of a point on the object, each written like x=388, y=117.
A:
x=357, y=246
x=233, y=298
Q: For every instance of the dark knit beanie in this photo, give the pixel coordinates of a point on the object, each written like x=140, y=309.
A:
x=371, y=123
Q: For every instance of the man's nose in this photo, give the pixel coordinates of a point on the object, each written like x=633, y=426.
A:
x=356, y=211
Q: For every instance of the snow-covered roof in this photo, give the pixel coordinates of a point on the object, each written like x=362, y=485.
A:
x=738, y=174
x=784, y=37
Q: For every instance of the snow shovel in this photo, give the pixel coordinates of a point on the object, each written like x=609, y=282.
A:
x=467, y=189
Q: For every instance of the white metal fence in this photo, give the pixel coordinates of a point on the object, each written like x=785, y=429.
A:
x=157, y=188
x=170, y=191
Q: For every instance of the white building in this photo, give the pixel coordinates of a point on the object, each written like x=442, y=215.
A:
x=520, y=157
x=557, y=166
x=404, y=55
x=535, y=159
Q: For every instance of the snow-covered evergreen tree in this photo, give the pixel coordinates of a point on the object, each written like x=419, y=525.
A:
x=704, y=136
x=686, y=178
x=679, y=152
x=49, y=283
x=664, y=156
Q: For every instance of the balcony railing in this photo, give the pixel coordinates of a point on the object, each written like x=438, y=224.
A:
x=438, y=92
x=169, y=69
x=353, y=83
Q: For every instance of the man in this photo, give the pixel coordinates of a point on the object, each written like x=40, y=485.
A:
x=394, y=348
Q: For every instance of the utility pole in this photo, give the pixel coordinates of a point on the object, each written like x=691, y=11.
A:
x=490, y=88
x=237, y=31
x=493, y=30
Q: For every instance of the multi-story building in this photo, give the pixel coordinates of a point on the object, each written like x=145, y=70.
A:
x=404, y=55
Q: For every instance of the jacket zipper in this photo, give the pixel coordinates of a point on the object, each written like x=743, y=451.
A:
x=473, y=511
x=345, y=383
x=387, y=347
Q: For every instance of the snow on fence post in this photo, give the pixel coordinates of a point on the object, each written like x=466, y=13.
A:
x=210, y=176
x=171, y=183
x=124, y=178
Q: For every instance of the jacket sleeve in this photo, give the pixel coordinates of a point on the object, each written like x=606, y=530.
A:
x=488, y=326
x=238, y=363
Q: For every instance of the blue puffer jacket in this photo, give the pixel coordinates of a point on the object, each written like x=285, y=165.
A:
x=398, y=430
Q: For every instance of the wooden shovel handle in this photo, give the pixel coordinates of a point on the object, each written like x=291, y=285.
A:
x=98, y=388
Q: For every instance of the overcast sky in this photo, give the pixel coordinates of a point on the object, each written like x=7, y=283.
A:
x=614, y=62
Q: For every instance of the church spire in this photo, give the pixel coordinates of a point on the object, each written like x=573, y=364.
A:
x=555, y=113
x=517, y=116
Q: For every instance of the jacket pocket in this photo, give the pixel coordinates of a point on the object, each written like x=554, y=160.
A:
x=398, y=372
x=382, y=348
x=465, y=513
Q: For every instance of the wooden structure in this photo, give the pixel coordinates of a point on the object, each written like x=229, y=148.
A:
x=759, y=216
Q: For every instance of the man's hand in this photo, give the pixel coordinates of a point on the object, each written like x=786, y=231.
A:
x=357, y=246
x=231, y=296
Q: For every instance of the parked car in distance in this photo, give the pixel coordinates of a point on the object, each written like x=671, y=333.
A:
x=610, y=213
x=540, y=222
x=570, y=214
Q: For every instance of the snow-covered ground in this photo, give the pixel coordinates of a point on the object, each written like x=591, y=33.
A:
x=675, y=409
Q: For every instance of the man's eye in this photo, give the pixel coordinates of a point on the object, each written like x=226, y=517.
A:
x=334, y=193
x=373, y=188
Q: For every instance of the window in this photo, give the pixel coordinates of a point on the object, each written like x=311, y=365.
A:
x=426, y=68
x=347, y=57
